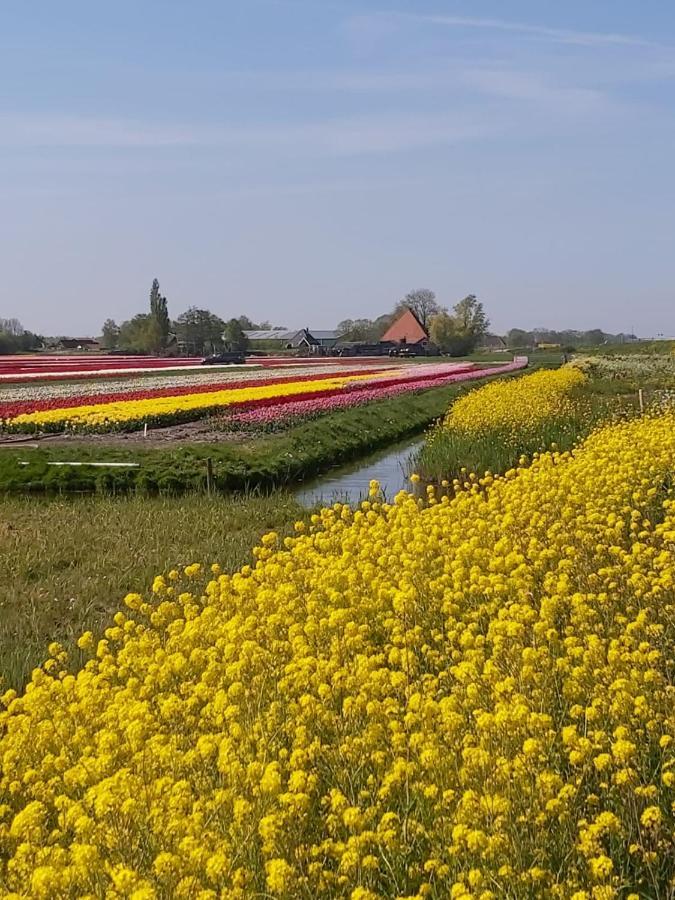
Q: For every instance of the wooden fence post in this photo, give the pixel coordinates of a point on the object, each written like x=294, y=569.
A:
x=641, y=400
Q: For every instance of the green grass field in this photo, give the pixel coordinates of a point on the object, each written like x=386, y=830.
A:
x=69, y=562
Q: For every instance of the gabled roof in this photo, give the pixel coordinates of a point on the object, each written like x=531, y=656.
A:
x=324, y=335
x=272, y=334
x=406, y=329
x=492, y=340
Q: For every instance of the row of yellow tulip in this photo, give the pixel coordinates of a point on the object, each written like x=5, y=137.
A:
x=469, y=698
x=179, y=407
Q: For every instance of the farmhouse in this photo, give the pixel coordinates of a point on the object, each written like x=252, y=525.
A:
x=407, y=331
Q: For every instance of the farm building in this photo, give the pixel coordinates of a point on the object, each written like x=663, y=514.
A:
x=407, y=331
x=274, y=339
x=302, y=339
x=492, y=342
x=66, y=343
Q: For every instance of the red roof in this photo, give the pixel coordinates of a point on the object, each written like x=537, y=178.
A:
x=406, y=329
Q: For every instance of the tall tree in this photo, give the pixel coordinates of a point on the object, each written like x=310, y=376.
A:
x=138, y=335
x=249, y=325
x=233, y=335
x=15, y=339
x=442, y=330
x=110, y=334
x=199, y=331
x=160, y=313
x=445, y=332
x=359, y=330
x=470, y=317
x=459, y=333
x=12, y=327
x=422, y=302
x=344, y=327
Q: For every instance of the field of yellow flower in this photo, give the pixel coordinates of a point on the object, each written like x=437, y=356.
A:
x=515, y=404
x=492, y=427
x=470, y=697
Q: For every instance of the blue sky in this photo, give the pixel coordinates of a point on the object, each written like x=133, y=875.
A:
x=307, y=161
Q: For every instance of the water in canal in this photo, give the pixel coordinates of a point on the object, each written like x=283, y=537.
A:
x=349, y=484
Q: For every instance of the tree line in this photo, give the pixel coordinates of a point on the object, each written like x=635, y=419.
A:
x=195, y=332
x=569, y=339
x=198, y=332
x=15, y=339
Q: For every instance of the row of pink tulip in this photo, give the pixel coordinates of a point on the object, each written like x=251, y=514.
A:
x=278, y=415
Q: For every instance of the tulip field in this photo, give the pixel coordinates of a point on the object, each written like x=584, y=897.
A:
x=131, y=404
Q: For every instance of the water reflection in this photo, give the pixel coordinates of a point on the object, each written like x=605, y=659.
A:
x=349, y=484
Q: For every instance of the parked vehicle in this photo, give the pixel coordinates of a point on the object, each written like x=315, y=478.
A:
x=235, y=357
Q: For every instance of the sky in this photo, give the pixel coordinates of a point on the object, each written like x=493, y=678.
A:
x=308, y=161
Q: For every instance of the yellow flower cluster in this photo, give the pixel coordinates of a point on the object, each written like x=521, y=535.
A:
x=515, y=403
x=466, y=698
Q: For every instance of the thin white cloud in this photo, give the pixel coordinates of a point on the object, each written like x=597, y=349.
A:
x=559, y=35
x=532, y=88
x=562, y=35
x=53, y=130
x=349, y=136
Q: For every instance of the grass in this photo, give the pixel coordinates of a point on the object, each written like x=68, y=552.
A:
x=68, y=563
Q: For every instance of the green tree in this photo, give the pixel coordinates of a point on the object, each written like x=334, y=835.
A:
x=422, y=302
x=15, y=339
x=470, y=317
x=160, y=313
x=199, y=331
x=110, y=334
x=367, y=330
x=357, y=330
x=249, y=325
x=136, y=335
x=593, y=338
x=445, y=332
x=233, y=335
x=442, y=330
x=459, y=332
x=517, y=339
